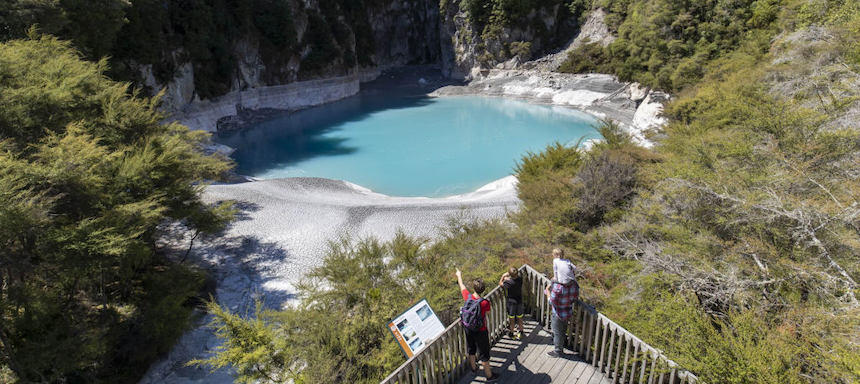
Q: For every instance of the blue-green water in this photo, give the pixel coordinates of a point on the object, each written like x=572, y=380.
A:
x=406, y=145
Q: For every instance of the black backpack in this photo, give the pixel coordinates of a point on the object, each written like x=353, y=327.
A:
x=470, y=314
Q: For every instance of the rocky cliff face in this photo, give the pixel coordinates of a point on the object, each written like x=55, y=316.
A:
x=323, y=39
x=406, y=32
x=392, y=33
x=594, y=30
x=471, y=48
x=314, y=39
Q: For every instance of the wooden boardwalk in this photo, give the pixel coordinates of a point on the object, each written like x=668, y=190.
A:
x=603, y=348
x=525, y=361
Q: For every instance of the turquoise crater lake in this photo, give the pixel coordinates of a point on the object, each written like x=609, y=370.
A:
x=406, y=145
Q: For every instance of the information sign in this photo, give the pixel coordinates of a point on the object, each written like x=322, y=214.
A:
x=416, y=327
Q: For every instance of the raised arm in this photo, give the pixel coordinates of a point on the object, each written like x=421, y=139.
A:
x=502, y=280
x=460, y=279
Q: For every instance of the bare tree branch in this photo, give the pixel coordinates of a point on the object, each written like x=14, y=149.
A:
x=806, y=223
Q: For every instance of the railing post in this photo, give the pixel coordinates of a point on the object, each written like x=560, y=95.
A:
x=582, y=335
x=626, y=358
x=571, y=327
x=588, y=335
x=461, y=350
x=603, y=331
x=593, y=335
x=633, y=363
x=541, y=301
x=617, y=369
x=548, y=307
x=432, y=361
x=608, y=366
x=598, y=333
x=535, y=296
x=653, y=372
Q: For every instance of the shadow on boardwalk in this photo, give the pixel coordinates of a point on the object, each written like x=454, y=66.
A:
x=526, y=362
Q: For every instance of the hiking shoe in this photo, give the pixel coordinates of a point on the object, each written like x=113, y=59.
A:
x=555, y=354
x=494, y=378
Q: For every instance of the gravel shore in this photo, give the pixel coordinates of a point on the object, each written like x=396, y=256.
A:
x=282, y=232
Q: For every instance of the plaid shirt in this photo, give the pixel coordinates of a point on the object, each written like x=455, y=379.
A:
x=562, y=298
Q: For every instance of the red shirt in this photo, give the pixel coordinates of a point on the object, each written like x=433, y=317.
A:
x=485, y=307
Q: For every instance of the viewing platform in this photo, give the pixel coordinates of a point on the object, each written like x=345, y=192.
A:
x=525, y=361
x=599, y=350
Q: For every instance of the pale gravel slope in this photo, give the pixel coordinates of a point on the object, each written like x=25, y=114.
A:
x=303, y=214
x=282, y=233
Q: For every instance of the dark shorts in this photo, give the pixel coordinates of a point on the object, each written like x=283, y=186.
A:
x=515, y=309
x=478, y=342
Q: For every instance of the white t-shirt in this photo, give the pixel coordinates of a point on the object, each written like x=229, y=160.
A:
x=564, y=271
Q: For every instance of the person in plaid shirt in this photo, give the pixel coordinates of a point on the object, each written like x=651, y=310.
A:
x=562, y=298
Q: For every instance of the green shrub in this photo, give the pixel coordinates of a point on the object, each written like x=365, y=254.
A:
x=522, y=50
x=545, y=183
x=591, y=57
x=556, y=157
x=667, y=44
x=364, y=285
x=604, y=183
x=743, y=348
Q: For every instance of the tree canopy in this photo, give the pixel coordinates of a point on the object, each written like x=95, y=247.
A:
x=87, y=173
x=667, y=44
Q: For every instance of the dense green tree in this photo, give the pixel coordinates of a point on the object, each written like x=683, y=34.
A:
x=92, y=24
x=88, y=173
x=18, y=16
x=667, y=44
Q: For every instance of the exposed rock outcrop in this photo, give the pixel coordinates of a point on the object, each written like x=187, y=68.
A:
x=393, y=33
x=469, y=50
x=204, y=114
x=457, y=49
x=179, y=91
x=594, y=30
x=250, y=66
x=635, y=108
x=406, y=32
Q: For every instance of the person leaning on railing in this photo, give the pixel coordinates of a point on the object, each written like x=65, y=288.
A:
x=562, y=295
x=512, y=282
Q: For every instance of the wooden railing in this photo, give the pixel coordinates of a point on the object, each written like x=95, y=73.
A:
x=607, y=346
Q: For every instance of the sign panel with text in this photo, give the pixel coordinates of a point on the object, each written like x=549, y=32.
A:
x=416, y=327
